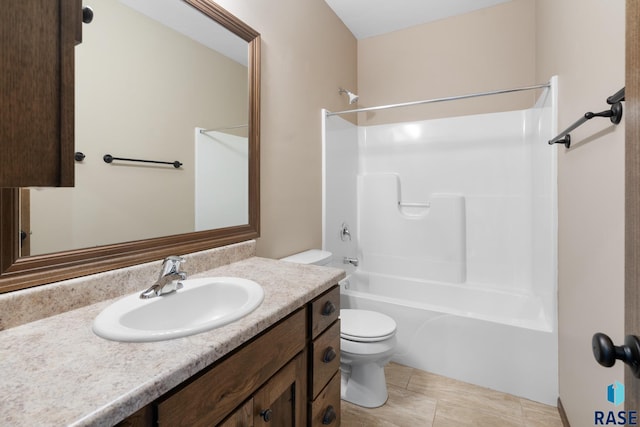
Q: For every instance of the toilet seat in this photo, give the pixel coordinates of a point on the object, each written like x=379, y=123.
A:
x=365, y=326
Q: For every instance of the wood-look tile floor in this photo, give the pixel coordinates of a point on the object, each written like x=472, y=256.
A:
x=418, y=398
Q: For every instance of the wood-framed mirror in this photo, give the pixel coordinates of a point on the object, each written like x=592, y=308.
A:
x=18, y=271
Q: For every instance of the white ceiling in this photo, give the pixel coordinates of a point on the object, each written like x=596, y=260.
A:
x=366, y=18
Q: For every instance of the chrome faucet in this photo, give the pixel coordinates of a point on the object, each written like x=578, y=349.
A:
x=169, y=280
x=352, y=261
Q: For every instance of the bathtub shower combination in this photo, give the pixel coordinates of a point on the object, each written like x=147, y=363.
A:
x=453, y=223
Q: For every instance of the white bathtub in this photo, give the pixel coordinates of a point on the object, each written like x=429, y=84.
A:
x=486, y=337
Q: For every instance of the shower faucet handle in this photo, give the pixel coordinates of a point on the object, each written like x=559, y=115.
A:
x=344, y=232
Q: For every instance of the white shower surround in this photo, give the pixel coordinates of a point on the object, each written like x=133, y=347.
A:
x=471, y=279
x=221, y=183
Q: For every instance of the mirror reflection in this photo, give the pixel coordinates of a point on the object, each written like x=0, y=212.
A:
x=150, y=85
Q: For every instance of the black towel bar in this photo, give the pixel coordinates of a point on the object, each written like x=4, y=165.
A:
x=108, y=158
x=614, y=114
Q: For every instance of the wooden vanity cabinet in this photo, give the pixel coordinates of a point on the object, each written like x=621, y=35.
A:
x=287, y=376
x=37, y=42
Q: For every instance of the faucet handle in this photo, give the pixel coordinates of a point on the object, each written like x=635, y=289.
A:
x=345, y=234
x=171, y=264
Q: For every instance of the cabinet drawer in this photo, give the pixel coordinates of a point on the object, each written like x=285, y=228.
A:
x=230, y=382
x=326, y=357
x=324, y=311
x=325, y=410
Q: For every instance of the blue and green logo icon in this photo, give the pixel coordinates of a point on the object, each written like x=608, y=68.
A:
x=615, y=393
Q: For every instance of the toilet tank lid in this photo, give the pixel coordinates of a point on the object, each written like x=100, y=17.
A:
x=312, y=256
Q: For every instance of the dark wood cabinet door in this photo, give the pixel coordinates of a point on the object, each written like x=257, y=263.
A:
x=281, y=401
x=37, y=42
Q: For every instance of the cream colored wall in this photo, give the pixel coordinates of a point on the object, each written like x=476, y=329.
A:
x=307, y=52
x=489, y=49
x=126, y=108
x=582, y=41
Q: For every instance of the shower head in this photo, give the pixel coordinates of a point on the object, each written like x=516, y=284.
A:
x=353, y=98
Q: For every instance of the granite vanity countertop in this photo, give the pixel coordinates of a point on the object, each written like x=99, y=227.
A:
x=57, y=372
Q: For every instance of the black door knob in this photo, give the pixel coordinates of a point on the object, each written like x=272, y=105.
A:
x=606, y=353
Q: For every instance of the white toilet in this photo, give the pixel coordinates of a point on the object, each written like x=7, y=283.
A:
x=367, y=343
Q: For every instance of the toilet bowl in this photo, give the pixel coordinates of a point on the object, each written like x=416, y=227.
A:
x=367, y=343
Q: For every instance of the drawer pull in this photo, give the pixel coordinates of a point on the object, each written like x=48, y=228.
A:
x=329, y=355
x=329, y=416
x=328, y=309
x=266, y=415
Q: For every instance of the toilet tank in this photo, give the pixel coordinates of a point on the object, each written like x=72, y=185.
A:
x=312, y=256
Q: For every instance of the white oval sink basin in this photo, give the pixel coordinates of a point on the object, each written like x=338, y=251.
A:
x=201, y=305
